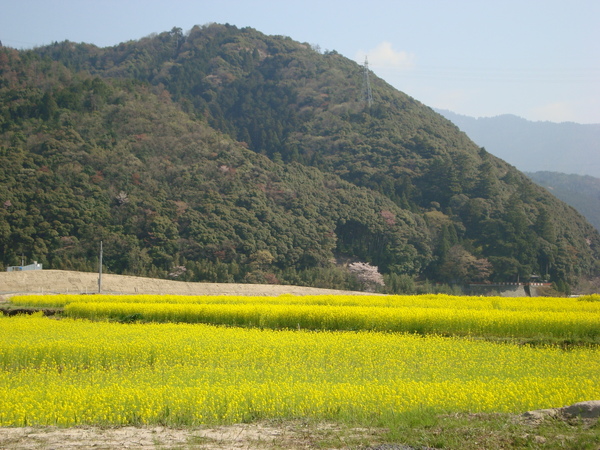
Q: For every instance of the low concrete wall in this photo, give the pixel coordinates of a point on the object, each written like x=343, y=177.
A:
x=500, y=290
x=507, y=289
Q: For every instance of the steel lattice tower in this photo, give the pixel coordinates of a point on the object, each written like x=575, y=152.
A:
x=368, y=94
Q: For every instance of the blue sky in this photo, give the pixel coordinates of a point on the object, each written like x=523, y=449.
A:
x=539, y=59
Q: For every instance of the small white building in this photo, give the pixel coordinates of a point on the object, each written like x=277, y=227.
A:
x=34, y=266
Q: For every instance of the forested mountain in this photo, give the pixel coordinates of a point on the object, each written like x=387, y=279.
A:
x=581, y=192
x=223, y=154
x=535, y=146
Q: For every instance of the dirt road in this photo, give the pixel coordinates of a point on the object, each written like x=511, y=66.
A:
x=264, y=436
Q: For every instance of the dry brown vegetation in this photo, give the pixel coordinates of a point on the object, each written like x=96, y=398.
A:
x=69, y=282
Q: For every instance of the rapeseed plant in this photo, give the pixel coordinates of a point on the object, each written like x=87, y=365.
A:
x=71, y=372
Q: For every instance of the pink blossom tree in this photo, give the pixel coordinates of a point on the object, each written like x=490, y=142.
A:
x=368, y=275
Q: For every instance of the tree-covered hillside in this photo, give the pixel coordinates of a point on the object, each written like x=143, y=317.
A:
x=582, y=192
x=227, y=155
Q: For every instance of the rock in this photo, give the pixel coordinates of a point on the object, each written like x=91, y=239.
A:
x=586, y=410
x=540, y=414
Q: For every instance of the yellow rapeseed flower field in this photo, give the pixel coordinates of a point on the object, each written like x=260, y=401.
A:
x=73, y=371
x=532, y=318
x=397, y=301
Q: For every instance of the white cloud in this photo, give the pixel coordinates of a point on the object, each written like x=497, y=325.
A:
x=385, y=57
x=452, y=100
x=554, y=112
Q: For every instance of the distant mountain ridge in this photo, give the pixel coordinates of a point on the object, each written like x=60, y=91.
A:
x=565, y=147
x=581, y=192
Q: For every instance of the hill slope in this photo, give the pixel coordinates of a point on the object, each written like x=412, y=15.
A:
x=228, y=155
x=581, y=192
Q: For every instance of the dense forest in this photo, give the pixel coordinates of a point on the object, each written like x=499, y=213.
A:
x=223, y=154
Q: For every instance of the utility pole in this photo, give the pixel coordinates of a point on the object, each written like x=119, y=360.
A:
x=367, y=92
x=100, y=270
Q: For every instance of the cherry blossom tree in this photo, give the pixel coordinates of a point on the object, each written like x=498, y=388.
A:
x=368, y=275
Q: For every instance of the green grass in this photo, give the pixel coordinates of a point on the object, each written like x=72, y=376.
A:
x=492, y=431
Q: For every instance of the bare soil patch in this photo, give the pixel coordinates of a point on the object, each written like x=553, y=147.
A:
x=69, y=282
x=289, y=435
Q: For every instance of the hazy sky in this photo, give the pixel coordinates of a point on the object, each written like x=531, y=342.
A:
x=539, y=59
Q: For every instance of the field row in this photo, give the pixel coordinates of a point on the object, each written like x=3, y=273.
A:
x=70, y=372
x=574, y=325
x=557, y=304
x=542, y=319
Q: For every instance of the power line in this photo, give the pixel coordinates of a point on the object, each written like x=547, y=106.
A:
x=490, y=74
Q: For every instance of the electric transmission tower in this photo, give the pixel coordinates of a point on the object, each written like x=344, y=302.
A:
x=367, y=93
